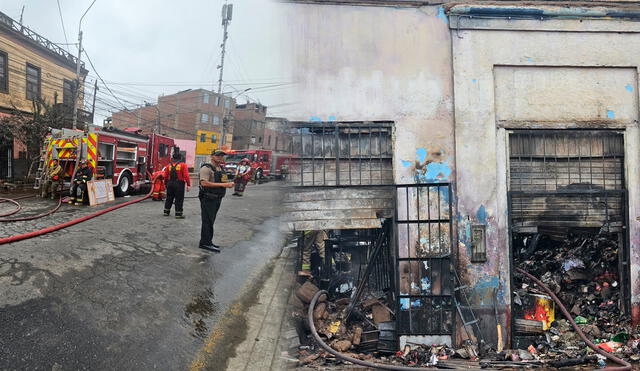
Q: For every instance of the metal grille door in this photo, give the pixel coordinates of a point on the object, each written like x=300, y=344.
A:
x=424, y=260
x=563, y=178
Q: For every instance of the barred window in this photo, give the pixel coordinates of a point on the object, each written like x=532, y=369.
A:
x=4, y=72
x=33, y=82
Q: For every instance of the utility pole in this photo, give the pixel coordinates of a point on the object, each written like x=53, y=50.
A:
x=77, y=90
x=227, y=13
x=93, y=107
x=21, y=14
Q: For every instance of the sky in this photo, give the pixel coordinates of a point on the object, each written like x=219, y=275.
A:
x=146, y=48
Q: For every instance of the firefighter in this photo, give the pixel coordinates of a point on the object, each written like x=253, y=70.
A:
x=52, y=182
x=213, y=187
x=83, y=175
x=243, y=174
x=312, y=240
x=176, y=176
x=158, y=186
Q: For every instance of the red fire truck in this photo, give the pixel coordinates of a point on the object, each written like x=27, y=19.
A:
x=125, y=156
x=264, y=163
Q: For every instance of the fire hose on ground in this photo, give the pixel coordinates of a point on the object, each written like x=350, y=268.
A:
x=625, y=365
x=69, y=223
x=32, y=217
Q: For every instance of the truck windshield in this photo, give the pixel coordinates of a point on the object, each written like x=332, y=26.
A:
x=235, y=157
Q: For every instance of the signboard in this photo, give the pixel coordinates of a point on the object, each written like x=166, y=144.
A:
x=100, y=191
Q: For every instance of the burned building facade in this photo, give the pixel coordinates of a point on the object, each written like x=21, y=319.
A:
x=497, y=133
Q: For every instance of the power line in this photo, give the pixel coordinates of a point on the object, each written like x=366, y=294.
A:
x=62, y=21
x=100, y=77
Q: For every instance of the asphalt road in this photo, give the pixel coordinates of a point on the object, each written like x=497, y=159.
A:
x=130, y=290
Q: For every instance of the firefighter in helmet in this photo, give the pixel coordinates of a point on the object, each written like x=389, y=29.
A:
x=243, y=174
x=52, y=182
x=83, y=175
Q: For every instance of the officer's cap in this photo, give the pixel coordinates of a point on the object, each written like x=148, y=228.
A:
x=218, y=153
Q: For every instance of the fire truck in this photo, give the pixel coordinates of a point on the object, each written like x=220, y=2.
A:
x=264, y=163
x=126, y=156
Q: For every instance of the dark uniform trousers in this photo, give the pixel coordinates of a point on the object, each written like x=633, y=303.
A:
x=209, y=209
x=175, y=190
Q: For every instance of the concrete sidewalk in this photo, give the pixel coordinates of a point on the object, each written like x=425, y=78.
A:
x=270, y=331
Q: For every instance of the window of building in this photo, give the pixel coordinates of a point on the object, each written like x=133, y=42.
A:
x=33, y=82
x=260, y=140
x=203, y=138
x=67, y=92
x=4, y=72
x=216, y=120
x=217, y=100
x=214, y=138
x=205, y=98
x=163, y=150
x=253, y=139
x=204, y=117
x=269, y=140
x=276, y=142
x=227, y=103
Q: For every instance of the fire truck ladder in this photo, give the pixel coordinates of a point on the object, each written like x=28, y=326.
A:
x=471, y=323
x=41, y=173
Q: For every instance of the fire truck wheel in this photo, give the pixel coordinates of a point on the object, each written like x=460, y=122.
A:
x=124, y=185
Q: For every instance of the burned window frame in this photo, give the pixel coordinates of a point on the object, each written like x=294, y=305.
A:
x=326, y=144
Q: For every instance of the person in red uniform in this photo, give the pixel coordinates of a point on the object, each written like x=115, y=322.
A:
x=159, y=190
x=176, y=176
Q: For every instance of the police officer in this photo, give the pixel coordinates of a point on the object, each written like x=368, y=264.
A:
x=177, y=176
x=83, y=175
x=213, y=187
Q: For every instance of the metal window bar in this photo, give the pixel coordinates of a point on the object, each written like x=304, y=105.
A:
x=598, y=187
x=427, y=309
x=336, y=150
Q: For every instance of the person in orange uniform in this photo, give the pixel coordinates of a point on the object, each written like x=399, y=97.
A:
x=159, y=190
x=176, y=176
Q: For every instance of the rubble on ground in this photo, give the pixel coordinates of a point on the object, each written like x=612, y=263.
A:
x=583, y=272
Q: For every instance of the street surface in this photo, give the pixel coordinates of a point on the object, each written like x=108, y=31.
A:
x=130, y=290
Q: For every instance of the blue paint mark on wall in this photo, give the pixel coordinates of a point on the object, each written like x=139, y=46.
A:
x=611, y=114
x=315, y=118
x=474, y=81
x=438, y=171
x=489, y=283
x=332, y=118
x=404, y=303
x=529, y=59
x=629, y=88
x=444, y=193
x=482, y=215
x=406, y=163
x=442, y=15
x=421, y=154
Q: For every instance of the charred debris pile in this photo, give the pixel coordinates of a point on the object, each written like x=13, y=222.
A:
x=583, y=270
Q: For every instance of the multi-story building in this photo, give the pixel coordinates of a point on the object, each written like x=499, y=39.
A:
x=249, y=125
x=463, y=138
x=193, y=114
x=276, y=135
x=33, y=69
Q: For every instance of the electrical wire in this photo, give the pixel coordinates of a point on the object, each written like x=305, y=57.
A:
x=62, y=21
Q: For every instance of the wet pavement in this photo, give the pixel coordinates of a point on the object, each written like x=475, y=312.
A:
x=130, y=289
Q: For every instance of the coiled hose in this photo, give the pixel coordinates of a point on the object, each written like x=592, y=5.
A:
x=21, y=219
x=40, y=232
x=625, y=365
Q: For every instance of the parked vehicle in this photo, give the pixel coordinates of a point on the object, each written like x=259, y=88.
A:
x=126, y=156
x=264, y=163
